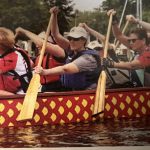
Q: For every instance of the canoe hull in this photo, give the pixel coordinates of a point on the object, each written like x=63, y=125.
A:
x=70, y=107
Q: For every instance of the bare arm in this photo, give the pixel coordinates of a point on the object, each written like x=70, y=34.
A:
x=144, y=24
x=4, y=93
x=135, y=64
x=60, y=40
x=96, y=34
x=66, y=69
x=117, y=32
x=51, y=48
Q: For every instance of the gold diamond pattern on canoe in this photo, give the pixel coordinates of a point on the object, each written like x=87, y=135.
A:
x=120, y=95
x=11, y=124
x=53, y=117
x=91, y=108
x=137, y=115
x=77, y=109
x=106, y=96
x=10, y=102
x=18, y=106
x=52, y=104
x=44, y=99
x=136, y=105
x=78, y=120
x=76, y=98
x=36, y=118
x=28, y=123
x=86, y=115
x=142, y=98
x=69, y=116
x=107, y=107
x=2, y=120
x=122, y=106
x=84, y=102
x=128, y=100
x=45, y=122
x=134, y=94
x=10, y=113
x=37, y=105
x=143, y=110
x=69, y=104
x=62, y=121
x=61, y=110
x=60, y=99
x=91, y=97
x=148, y=103
x=115, y=112
x=93, y=118
x=129, y=111
x=1, y=107
x=114, y=100
x=45, y=111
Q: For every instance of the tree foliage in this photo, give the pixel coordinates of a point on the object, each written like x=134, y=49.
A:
x=33, y=14
x=65, y=14
x=29, y=14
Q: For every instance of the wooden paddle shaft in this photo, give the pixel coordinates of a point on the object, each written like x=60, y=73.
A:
x=107, y=37
x=44, y=44
x=100, y=91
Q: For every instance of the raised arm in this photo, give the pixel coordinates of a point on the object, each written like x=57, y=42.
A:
x=96, y=34
x=144, y=24
x=116, y=30
x=51, y=48
x=60, y=40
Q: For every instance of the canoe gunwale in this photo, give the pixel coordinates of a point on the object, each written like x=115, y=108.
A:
x=46, y=94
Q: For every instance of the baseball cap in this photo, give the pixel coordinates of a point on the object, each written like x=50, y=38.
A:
x=78, y=32
x=94, y=44
x=42, y=35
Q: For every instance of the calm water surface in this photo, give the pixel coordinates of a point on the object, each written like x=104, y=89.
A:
x=125, y=132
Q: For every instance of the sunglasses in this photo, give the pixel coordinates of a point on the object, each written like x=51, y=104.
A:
x=132, y=40
x=73, y=39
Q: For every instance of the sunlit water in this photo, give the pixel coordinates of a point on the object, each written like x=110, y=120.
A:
x=125, y=132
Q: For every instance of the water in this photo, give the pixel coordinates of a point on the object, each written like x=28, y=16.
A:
x=125, y=132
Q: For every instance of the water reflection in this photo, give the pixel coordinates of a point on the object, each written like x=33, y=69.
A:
x=125, y=132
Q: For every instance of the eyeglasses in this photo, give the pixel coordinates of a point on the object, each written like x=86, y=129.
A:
x=132, y=40
x=73, y=39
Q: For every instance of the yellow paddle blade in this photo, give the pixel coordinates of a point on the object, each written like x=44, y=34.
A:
x=28, y=106
x=96, y=102
x=100, y=94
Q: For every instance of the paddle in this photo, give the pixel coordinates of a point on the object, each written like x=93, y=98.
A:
x=123, y=31
x=28, y=106
x=100, y=91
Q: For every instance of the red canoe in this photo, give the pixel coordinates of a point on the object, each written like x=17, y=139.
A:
x=76, y=106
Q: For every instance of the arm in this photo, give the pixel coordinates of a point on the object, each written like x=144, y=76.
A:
x=66, y=69
x=116, y=30
x=144, y=24
x=51, y=48
x=135, y=64
x=60, y=40
x=96, y=34
x=4, y=93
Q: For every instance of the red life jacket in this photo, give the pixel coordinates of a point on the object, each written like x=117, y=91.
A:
x=11, y=80
x=47, y=63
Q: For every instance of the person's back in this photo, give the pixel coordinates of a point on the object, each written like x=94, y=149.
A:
x=13, y=66
x=53, y=57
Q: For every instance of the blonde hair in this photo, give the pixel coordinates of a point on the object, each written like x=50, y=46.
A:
x=7, y=38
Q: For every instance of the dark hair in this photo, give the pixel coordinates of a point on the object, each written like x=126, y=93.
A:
x=141, y=34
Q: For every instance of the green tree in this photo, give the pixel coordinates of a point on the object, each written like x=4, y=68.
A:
x=32, y=15
x=65, y=14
